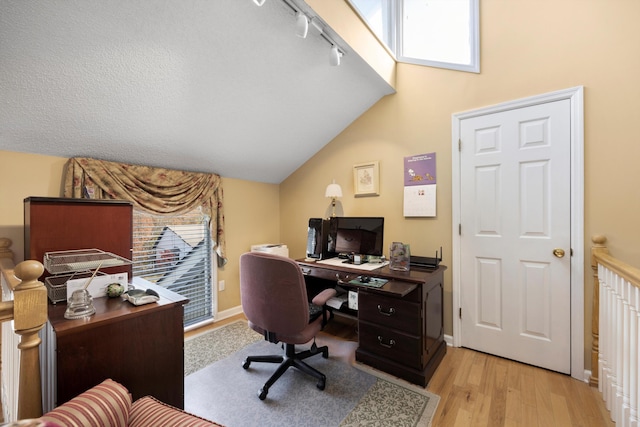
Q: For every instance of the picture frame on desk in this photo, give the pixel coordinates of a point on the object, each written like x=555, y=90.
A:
x=366, y=179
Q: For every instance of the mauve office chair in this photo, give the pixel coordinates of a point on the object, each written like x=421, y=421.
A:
x=275, y=302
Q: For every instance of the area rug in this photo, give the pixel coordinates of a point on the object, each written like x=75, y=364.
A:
x=203, y=349
x=226, y=393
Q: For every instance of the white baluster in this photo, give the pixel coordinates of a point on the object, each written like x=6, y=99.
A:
x=619, y=350
x=602, y=328
x=611, y=344
x=610, y=354
x=605, y=336
x=618, y=337
x=634, y=329
x=624, y=378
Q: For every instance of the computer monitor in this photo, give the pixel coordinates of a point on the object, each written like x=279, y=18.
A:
x=358, y=235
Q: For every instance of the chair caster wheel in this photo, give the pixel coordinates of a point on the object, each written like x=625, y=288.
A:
x=246, y=364
x=262, y=394
x=321, y=384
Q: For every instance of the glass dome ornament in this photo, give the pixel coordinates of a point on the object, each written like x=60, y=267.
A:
x=79, y=305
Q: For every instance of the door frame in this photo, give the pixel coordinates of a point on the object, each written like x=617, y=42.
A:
x=576, y=97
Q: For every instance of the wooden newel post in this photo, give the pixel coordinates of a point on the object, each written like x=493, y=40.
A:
x=597, y=248
x=29, y=296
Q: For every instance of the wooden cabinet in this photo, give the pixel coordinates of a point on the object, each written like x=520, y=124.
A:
x=54, y=224
x=141, y=347
x=400, y=325
x=403, y=336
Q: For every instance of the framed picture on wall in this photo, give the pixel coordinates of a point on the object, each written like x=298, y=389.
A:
x=366, y=180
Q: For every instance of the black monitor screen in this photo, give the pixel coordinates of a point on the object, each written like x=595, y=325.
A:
x=358, y=235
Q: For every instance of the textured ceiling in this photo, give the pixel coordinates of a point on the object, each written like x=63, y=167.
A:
x=217, y=86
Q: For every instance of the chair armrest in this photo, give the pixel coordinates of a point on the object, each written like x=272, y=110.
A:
x=324, y=296
x=107, y=403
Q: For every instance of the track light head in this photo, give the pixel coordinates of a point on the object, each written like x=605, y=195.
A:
x=259, y=2
x=302, y=25
x=334, y=56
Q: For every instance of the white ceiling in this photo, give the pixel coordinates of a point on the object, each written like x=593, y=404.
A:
x=219, y=86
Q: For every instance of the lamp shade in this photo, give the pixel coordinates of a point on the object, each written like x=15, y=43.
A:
x=302, y=25
x=333, y=190
x=334, y=56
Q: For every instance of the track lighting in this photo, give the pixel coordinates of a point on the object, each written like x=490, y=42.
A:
x=303, y=21
x=302, y=25
x=317, y=25
x=334, y=56
x=336, y=53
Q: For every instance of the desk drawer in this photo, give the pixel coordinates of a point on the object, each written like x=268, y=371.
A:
x=390, y=344
x=320, y=273
x=390, y=312
x=328, y=274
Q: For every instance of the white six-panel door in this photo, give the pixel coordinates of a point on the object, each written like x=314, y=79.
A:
x=515, y=216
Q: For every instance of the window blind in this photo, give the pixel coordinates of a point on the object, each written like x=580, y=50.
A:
x=175, y=252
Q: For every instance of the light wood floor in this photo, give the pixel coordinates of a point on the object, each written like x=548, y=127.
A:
x=478, y=389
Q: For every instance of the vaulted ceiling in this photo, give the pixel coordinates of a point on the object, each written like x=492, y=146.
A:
x=219, y=86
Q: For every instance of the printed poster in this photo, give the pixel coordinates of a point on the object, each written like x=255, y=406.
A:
x=420, y=185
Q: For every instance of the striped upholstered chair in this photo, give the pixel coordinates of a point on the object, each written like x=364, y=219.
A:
x=109, y=404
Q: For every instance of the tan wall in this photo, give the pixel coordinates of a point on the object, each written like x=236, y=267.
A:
x=528, y=47
x=252, y=215
x=21, y=176
x=251, y=210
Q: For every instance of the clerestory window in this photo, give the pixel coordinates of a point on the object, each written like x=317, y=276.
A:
x=436, y=33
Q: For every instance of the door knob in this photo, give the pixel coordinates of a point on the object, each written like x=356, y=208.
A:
x=558, y=252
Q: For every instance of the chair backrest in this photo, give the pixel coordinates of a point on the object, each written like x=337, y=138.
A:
x=273, y=293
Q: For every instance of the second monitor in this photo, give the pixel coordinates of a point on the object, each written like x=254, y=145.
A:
x=328, y=238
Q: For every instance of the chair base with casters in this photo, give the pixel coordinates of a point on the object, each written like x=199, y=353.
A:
x=290, y=359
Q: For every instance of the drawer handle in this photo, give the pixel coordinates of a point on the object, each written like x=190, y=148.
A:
x=390, y=345
x=342, y=281
x=391, y=311
x=306, y=271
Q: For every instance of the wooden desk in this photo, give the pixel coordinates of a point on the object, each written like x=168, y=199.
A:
x=401, y=324
x=141, y=347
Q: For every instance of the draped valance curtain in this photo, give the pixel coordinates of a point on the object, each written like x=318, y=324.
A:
x=155, y=190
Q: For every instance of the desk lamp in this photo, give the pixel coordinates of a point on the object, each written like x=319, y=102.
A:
x=333, y=191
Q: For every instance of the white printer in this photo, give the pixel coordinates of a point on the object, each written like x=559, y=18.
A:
x=272, y=248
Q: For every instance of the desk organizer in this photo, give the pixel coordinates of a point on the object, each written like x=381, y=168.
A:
x=81, y=260
x=57, y=285
x=75, y=264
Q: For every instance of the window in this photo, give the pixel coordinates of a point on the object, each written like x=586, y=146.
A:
x=175, y=252
x=437, y=33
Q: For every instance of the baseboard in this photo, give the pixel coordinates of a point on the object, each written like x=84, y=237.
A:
x=219, y=316
x=225, y=314
x=449, y=340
